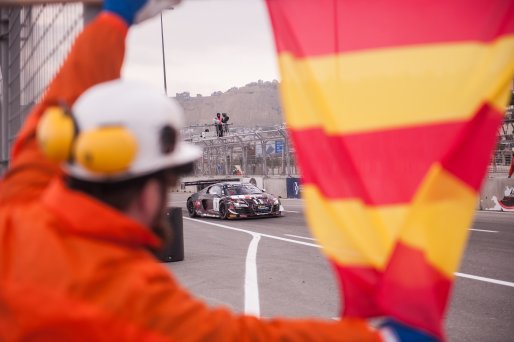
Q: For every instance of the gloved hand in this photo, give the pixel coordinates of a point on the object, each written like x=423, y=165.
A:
x=135, y=11
x=394, y=331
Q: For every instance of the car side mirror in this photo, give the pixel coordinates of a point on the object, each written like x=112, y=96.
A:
x=263, y=190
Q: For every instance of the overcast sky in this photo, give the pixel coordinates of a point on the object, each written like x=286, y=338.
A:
x=210, y=45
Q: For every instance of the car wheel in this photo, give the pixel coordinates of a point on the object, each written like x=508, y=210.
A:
x=223, y=212
x=191, y=208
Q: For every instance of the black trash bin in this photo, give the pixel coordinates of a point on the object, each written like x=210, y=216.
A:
x=173, y=249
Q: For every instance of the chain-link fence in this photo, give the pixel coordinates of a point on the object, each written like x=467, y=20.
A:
x=243, y=151
x=34, y=40
x=502, y=157
x=269, y=152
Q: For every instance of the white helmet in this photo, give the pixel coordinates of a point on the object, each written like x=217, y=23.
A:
x=122, y=130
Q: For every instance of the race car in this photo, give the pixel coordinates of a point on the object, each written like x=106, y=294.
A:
x=233, y=200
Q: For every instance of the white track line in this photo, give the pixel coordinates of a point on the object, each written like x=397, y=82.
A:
x=463, y=275
x=289, y=211
x=485, y=231
x=251, y=287
x=300, y=237
x=250, y=232
x=252, y=304
x=487, y=280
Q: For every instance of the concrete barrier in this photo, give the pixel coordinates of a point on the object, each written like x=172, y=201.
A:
x=493, y=190
x=276, y=186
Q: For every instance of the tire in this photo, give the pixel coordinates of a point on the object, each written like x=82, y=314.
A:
x=191, y=208
x=223, y=212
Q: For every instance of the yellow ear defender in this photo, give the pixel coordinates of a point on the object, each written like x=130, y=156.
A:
x=106, y=149
x=55, y=133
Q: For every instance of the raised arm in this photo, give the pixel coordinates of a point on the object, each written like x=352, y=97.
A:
x=160, y=310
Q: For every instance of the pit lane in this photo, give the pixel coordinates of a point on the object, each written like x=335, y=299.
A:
x=288, y=275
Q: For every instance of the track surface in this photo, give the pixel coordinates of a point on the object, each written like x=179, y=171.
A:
x=272, y=267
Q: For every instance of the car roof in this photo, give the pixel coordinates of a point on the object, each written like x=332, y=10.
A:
x=231, y=183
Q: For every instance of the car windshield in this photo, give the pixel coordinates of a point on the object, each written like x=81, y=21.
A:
x=242, y=189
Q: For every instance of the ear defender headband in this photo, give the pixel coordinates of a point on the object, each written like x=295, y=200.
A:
x=107, y=149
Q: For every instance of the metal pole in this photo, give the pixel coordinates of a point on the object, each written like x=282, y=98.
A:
x=282, y=164
x=163, y=59
x=288, y=156
x=90, y=12
x=13, y=76
x=264, y=161
x=245, y=158
x=4, y=47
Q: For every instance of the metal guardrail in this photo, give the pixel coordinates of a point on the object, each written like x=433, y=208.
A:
x=263, y=152
x=502, y=156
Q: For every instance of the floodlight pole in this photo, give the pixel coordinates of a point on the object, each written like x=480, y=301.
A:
x=163, y=59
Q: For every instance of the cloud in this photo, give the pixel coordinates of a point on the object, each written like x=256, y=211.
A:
x=209, y=46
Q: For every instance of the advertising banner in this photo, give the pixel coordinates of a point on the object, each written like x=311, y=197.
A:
x=293, y=187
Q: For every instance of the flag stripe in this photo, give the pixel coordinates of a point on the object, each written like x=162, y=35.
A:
x=358, y=286
x=396, y=87
x=467, y=159
x=439, y=216
x=365, y=235
x=413, y=291
x=376, y=167
x=386, y=167
x=342, y=26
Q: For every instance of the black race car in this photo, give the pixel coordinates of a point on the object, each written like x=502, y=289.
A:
x=232, y=200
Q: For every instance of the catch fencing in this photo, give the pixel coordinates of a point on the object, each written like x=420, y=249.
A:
x=34, y=41
x=259, y=152
x=502, y=157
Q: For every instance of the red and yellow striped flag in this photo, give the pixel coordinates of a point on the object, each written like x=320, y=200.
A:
x=393, y=107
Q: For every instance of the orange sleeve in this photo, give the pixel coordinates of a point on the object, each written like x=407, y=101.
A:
x=183, y=318
x=96, y=56
x=153, y=307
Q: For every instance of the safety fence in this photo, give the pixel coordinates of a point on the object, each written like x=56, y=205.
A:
x=34, y=40
x=269, y=152
x=245, y=151
x=502, y=157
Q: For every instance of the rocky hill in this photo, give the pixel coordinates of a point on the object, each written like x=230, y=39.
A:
x=255, y=104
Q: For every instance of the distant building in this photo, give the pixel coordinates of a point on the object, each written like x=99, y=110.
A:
x=183, y=95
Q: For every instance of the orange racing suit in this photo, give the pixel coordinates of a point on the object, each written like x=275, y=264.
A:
x=72, y=268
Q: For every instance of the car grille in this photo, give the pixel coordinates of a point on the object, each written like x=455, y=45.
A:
x=262, y=209
x=255, y=209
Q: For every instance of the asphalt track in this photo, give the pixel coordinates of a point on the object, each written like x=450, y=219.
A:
x=272, y=267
